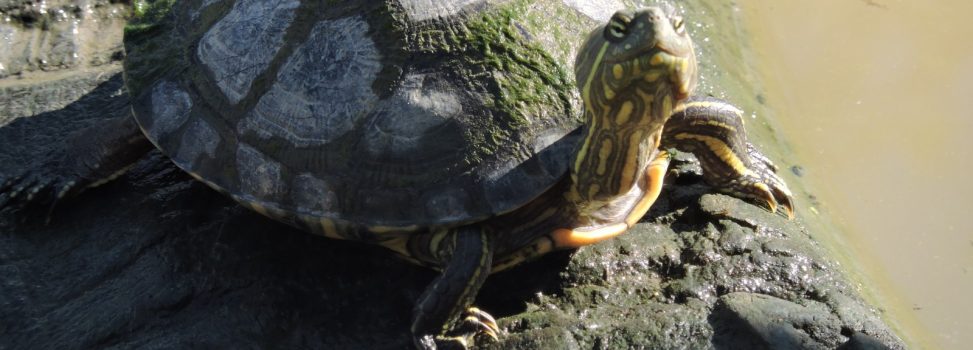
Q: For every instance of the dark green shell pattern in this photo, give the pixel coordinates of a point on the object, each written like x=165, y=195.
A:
x=404, y=113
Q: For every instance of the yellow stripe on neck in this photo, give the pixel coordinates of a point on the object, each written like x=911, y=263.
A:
x=586, y=96
x=586, y=90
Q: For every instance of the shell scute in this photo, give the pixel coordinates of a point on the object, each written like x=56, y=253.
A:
x=408, y=115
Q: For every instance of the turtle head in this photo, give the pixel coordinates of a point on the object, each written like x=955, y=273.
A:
x=646, y=49
x=631, y=71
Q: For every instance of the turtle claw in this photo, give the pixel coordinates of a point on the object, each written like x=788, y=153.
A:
x=763, y=179
x=784, y=201
x=475, y=322
x=762, y=183
x=774, y=198
x=482, y=322
x=782, y=195
x=763, y=193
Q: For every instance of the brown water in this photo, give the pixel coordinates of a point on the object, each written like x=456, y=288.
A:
x=876, y=97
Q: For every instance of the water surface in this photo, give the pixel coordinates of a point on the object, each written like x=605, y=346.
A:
x=875, y=97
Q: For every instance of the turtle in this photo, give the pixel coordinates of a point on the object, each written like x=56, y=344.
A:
x=452, y=132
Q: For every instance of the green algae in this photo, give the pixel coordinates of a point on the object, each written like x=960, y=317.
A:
x=532, y=79
x=531, y=89
x=146, y=14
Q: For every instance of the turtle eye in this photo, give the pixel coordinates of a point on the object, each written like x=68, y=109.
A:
x=617, y=27
x=678, y=25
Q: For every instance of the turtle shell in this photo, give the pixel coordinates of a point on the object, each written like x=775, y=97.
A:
x=388, y=113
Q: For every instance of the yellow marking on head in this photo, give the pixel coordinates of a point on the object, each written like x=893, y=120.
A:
x=603, y=153
x=568, y=238
x=658, y=59
x=629, y=172
x=624, y=112
x=609, y=93
x=329, y=228
x=618, y=71
x=647, y=98
x=720, y=148
x=636, y=69
x=652, y=76
x=653, y=186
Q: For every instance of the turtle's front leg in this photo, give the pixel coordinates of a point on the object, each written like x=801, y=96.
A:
x=443, y=317
x=712, y=129
x=88, y=158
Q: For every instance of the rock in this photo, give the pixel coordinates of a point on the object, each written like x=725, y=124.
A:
x=862, y=341
x=56, y=51
x=771, y=323
x=717, y=273
x=27, y=97
x=59, y=34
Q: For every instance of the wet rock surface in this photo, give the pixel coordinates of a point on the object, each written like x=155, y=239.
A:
x=702, y=270
x=158, y=260
x=56, y=51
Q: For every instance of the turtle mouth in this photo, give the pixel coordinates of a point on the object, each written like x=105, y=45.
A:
x=683, y=76
x=658, y=62
x=679, y=63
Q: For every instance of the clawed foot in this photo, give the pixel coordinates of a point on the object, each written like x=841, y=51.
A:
x=38, y=187
x=479, y=322
x=475, y=322
x=762, y=184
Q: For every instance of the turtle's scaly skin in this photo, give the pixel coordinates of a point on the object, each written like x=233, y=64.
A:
x=713, y=130
x=444, y=132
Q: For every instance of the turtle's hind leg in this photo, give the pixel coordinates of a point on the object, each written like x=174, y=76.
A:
x=87, y=159
x=712, y=129
x=443, y=316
